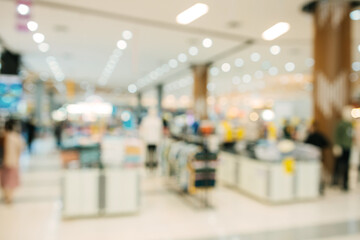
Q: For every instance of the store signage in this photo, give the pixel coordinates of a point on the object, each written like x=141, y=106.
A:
x=289, y=165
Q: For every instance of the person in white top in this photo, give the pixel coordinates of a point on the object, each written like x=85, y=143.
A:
x=151, y=131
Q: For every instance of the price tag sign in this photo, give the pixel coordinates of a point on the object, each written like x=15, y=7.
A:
x=289, y=165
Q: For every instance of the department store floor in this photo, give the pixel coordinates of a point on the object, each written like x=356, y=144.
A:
x=164, y=214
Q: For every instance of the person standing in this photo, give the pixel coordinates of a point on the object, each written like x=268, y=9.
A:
x=13, y=147
x=151, y=131
x=31, y=132
x=319, y=140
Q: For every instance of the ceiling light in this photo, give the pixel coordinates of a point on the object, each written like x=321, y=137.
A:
x=182, y=57
x=44, y=47
x=127, y=35
x=359, y=48
x=23, y=9
x=211, y=87
x=259, y=74
x=276, y=31
x=266, y=65
x=239, y=62
x=355, y=15
x=289, y=66
x=236, y=80
x=255, y=57
x=165, y=68
x=192, y=13
x=121, y=44
x=173, y=63
x=193, y=51
x=273, y=71
x=356, y=66
x=247, y=78
x=226, y=67
x=32, y=26
x=214, y=71
x=207, y=43
x=38, y=37
x=268, y=115
x=132, y=88
x=275, y=50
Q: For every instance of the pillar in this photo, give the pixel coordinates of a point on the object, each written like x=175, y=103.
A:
x=160, y=93
x=332, y=55
x=200, y=73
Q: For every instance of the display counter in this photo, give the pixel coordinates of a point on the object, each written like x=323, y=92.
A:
x=100, y=192
x=270, y=182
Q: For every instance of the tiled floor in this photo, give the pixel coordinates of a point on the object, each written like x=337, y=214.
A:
x=36, y=214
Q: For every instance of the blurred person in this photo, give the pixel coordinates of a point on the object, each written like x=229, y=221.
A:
x=58, y=133
x=151, y=131
x=13, y=146
x=288, y=130
x=31, y=133
x=319, y=140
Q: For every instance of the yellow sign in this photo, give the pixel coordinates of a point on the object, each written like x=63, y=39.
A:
x=289, y=165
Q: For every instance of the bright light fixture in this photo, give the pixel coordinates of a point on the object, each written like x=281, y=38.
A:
x=247, y=78
x=44, y=47
x=273, y=71
x=121, y=44
x=193, y=51
x=182, y=57
x=32, y=26
x=268, y=115
x=214, y=71
x=127, y=35
x=173, y=63
x=276, y=31
x=226, y=67
x=192, y=13
x=356, y=66
x=359, y=48
x=38, y=37
x=290, y=66
x=23, y=9
x=355, y=15
x=239, y=62
x=132, y=88
x=207, y=43
x=255, y=57
x=275, y=50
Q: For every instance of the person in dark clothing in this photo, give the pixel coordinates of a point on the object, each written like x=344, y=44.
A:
x=31, y=129
x=58, y=133
x=319, y=140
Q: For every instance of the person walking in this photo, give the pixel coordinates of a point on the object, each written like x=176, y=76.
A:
x=13, y=146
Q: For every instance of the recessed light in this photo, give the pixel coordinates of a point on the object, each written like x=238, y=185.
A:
x=192, y=13
x=173, y=63
x=355, y=15
x=23, y=9
x=226, y=67
x=247, y=78
x=359, y=48
x=214, y=71
x=44, y=47
x=182, y=57
x=132, y=88
x=38, y=37
x=32, y=26
x=239, y=62
x=273, y=71
x=193, y=51
x=127, y=35
x=276, y=31
x=207, y=43
x=275, y=50
x=290, y=66
x=121, y=44
x=356, y=66
x=255, y=57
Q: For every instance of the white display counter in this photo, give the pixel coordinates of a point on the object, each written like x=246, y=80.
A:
x=95, y=192
x=269, y=181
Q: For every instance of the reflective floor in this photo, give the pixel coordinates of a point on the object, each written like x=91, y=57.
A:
x=36, y=213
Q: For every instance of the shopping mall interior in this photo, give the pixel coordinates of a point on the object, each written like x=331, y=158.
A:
x=180, y=120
